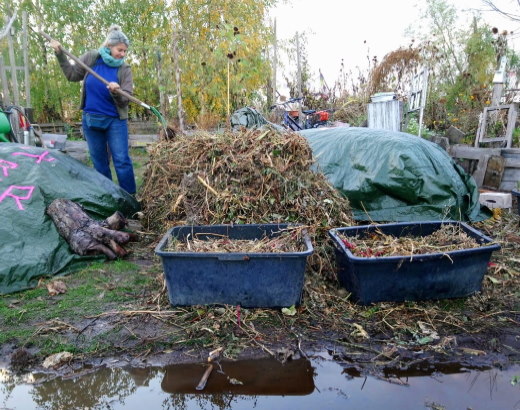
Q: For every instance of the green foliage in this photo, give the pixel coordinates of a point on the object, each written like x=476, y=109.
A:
x=412, y=127
x=220, y=42
x=471, y=87
x=213, y=37
x=461, y=60
x=516, y=137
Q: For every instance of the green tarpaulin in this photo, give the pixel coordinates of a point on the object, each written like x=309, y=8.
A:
x=30, y=179
x=393, y=176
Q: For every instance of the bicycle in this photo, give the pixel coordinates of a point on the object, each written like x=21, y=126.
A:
x=312, y=118
x=15, y=127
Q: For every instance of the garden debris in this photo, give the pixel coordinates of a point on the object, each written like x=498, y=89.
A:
x=87, y=236
x=381, y=331
x=214, y=354
x=21, y=359
x=205, y=377
x=449, y=237
x=290, y=240
x=57, y=360
x=290, y=311
x=56, y=287
x=246, y=177
x=473, y=352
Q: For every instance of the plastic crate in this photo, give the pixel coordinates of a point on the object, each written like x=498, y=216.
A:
x=452, y=274
x=496, y=200
x=246, y=279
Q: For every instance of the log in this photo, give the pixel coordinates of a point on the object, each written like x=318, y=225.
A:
x=87, y=236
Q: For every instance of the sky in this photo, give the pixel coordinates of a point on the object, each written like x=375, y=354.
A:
x=338, y=29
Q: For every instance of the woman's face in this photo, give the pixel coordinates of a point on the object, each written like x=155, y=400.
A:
x=118, y=51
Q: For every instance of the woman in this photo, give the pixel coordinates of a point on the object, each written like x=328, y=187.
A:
x=105, y=111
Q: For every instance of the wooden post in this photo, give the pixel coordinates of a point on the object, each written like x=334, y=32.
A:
x=3, y=77
x=228, y=63
x=498, y=82
x=14, y=80
x=424, y=91
x=26, y=62
x=300, y=94
x=162, y=96
x=275, y=61
x=177, y=69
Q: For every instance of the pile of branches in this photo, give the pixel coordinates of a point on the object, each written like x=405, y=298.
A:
x=245, y=177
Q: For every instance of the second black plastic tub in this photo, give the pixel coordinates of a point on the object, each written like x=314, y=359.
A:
x=411, y=278
x=246, y=279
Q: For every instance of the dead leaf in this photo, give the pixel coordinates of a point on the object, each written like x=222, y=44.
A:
x=427, y=331
x=493, y=280
x=56, y=287
x=359, y=331
x=290, y=311
x=57, y=359
x=473, y=352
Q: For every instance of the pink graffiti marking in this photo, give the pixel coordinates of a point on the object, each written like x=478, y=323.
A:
x=40, y=157
x=6, y=165
x=8, y=192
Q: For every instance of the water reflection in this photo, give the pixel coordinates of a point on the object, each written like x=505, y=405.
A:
x=101, y=388
x=305, y=384
x=264, y=377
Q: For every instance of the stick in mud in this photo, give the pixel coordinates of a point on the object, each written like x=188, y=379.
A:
x=204, y=379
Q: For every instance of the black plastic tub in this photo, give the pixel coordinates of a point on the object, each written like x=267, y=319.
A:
x=403, y=278
x=246, y=279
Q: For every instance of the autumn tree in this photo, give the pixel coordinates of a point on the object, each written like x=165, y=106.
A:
x=461, y=59
x=214, y=37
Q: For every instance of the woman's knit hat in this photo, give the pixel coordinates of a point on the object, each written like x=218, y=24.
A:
x=115, y=36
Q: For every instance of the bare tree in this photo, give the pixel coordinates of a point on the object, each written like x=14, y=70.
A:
x=511, y=14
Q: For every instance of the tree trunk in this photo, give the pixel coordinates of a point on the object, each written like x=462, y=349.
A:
x=87, y=236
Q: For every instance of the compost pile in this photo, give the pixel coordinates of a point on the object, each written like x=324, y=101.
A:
x=287, y=241
x=446, y=239
x=244, y=177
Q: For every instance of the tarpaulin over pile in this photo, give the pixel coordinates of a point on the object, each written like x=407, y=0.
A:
x=248, y=117
x=394, y=176
x=30, y=179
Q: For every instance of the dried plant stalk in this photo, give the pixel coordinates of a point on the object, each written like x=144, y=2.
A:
x=447, y=238
x=287, y=241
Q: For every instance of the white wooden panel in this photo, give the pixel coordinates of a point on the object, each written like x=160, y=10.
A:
x=385, y=115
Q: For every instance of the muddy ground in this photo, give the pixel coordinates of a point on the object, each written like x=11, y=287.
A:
x=118, y=314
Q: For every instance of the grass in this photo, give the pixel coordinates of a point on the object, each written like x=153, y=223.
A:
x=34, y=317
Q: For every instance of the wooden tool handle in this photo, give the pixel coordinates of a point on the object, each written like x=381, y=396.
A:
x=88, y=69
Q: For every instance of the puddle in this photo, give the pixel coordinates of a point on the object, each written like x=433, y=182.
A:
x=304, y=384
